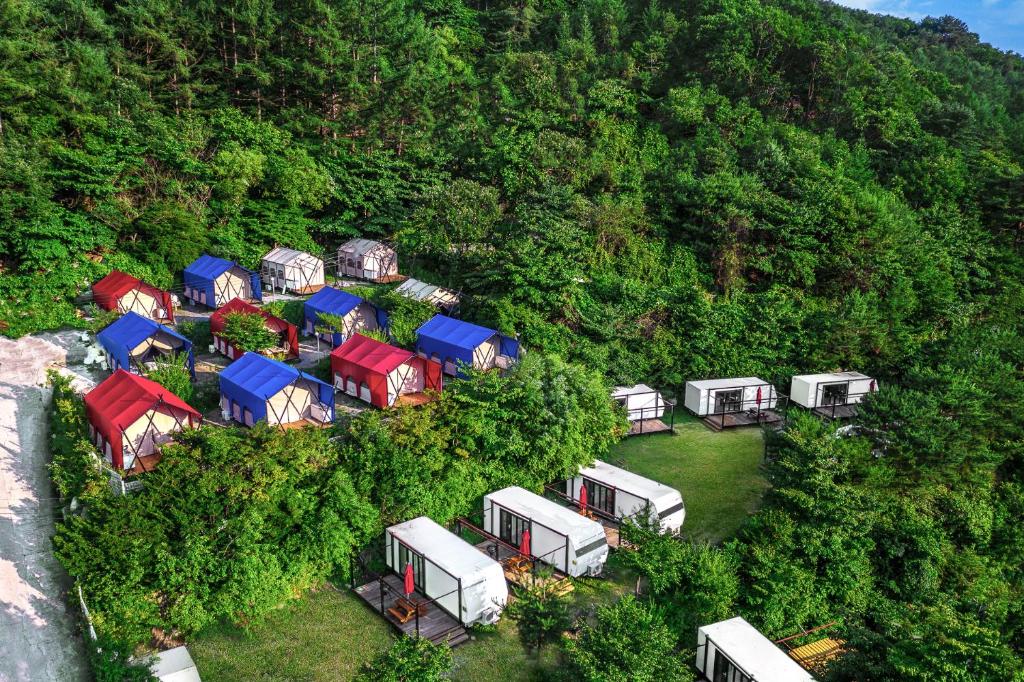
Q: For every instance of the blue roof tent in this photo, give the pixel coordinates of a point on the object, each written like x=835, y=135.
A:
x=123, y=335
x=201, y=277
x=253, y=379
x=335, y=302
x=448, y=338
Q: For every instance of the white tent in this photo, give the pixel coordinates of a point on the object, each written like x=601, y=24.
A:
x=718, y=396
x=641, y=401
x=735, y=651
x=367, y=259
x=569, y=541
x=466, y=583
x=834, y=388
x=622, y=494
x=290, y=270
x=439, y=297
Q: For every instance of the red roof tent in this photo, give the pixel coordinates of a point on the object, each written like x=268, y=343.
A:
x=370, y=361
x=121, y=399
x=109, y=291
x=274, y=324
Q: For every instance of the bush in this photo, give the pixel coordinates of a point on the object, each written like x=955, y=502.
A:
x=111, y=661
x=74, y=463
x=196, y=331
x=174, y=376
x=248, y=332
x=410, y=659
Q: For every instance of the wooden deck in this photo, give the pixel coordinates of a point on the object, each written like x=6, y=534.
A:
x=435, y=624
x=645, y=426
x=728, y=420
x=559, y=582
x=837, y=411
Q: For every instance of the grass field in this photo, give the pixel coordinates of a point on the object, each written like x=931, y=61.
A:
x=719, y=474
x=328, y=634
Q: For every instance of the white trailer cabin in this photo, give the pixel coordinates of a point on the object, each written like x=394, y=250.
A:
x=734, y=651
x=715, y=396
x=560, y=537
x=833, y=394
x=466, y=583
x=620, y=494
x=288, y=270
x=641, y=401
x=367, y=259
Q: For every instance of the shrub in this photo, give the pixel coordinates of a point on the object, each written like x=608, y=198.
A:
x=73, y=466
x=248, y=332
x=174, y=375
x=410, y=659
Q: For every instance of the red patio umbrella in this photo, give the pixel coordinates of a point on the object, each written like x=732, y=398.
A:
x=583, y=496
x=758, y=398
x=872, y=388
x=410, y=583
x=524, y=543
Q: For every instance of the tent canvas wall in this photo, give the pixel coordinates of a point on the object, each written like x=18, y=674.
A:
x=131, y=416
x=621, y=494
x=451, y=342
x=358, y=314
x=466, y=583
x=367, y=259
x=290, y=270
x=288, y=332
x=560, y=537
x=379, y=373
x=439, y=297
x=212, y=282
x=124, y=293
x=835, y=388
x=256, y=388
x=734, y=650
x=715, y=396
x=641, y=401
x=132, y=340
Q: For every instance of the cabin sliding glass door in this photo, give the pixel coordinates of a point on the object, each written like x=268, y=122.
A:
x=511, y=527
x=725, y=671
x=407, y=556
x=834, y=394
x=728, y=401
x=600, y=496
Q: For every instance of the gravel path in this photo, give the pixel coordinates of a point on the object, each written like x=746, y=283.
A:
x=39, y=634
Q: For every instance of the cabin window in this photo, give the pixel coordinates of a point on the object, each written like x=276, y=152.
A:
x=600, y=496
x=587, y=549
x=671, y=510
x=726, y=671
x=511, y=527
x=419, y=574
x=834, y=394
x=728, y=401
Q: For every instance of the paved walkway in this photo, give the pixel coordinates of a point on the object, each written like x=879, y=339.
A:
x=39, y=634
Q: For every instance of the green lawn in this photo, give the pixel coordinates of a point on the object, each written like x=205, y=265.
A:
x=719, y=474
x=326, y=635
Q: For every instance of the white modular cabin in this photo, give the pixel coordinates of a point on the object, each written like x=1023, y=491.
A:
x=367, y=259
x=288, y=270
x=621, y=494
x=641, y=401
x=722, y=396
x=560, y=537
x=834, y=388
x=734, y=651
x=466, y=583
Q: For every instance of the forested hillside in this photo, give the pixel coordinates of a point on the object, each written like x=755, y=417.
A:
x=658, y=190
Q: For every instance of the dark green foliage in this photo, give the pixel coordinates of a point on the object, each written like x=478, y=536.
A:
x=112, y=661
x=74, y=464
x=410, y=659
x=629, y=642
x=174, y=376
x=248, y=332
x=540, y=612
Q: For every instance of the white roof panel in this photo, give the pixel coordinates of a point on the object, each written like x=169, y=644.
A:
x=442, y=547
x=660, y=495
x=755, y=653
x=548, y=513
x=284, y=256
x=712, y=384
x=622, y=391
x=174, y=665
x=361, y=246
x=832, y=376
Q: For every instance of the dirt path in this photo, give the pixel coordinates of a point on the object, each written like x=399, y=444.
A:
x=39, y=634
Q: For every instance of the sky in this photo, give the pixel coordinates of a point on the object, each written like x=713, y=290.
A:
x=999, y=22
